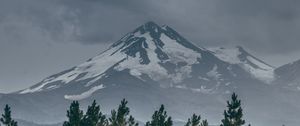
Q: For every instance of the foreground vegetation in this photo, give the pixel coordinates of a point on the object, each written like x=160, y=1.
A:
x=233, y=116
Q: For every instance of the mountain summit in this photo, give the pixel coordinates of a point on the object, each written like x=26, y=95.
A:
x=149, y=66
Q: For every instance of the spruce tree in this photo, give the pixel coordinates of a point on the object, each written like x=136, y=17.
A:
x=6, y=117
x=94, y=116
x=204, y=123
x=234, y=114
x=196, y=121
x=120, y=117
x=132, y=122
x=74, y=115
x=160, y=118
x=113, y=119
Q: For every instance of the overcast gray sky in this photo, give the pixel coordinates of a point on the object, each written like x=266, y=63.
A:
x=42, y=37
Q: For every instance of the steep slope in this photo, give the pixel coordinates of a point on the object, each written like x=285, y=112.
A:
x=288, y=76
x=149, y=66
x=256, y=67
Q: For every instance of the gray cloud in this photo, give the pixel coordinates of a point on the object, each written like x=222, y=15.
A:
x=268, y=26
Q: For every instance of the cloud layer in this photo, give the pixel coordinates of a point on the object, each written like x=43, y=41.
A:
x=261, y=25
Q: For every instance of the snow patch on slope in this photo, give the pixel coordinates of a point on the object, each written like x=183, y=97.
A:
x=214, y=73
x=65, y=78
x=179, y=53
x=135, y=72
x=256, y=68
x=152, y=69
x=258, y=63
x=90, y=69
x=227, y=55
x=202, y=89
x=264, y=73
x=84, y=94
x=94, y=80
x=176, y=53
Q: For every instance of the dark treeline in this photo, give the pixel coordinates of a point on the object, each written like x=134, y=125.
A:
x=233, y=116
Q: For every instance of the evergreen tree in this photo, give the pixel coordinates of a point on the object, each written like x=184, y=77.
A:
x=196, y=121
x=94, y=116
x=74, y=115
x=6, y=117
x=132, y=122
x=160, y=118
x=233, y=116
x=204, y=123
x=102, y=121
x=113, y=119
x=120, y=117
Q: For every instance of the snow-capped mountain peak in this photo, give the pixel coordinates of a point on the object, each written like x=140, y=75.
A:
x=143, y=51
x=161, y=54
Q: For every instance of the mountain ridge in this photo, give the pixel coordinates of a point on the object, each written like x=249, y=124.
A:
x=136, y=44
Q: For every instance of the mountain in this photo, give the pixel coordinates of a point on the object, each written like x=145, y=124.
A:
x=288, y=76
x=160, y=54
x=155, y=65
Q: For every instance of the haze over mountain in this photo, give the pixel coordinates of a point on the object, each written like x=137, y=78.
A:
x=155, y=65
